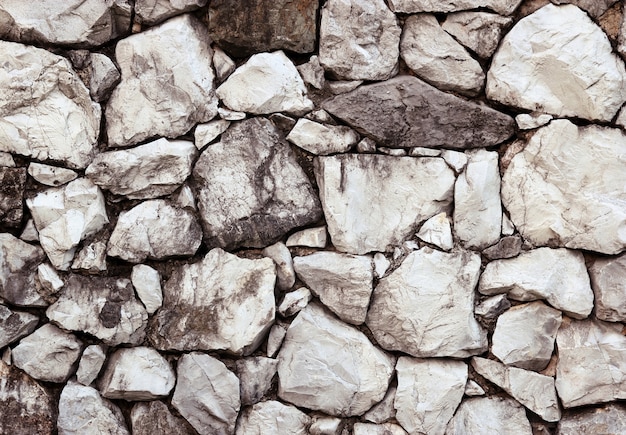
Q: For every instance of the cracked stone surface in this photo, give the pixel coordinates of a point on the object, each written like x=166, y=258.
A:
x=18, y=268
x=503, y=7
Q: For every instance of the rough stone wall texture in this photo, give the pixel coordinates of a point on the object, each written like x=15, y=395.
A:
x=325, y=217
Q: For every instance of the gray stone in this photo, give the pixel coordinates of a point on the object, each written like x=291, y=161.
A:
x=255, y=378
x=250, y=189
x=359, y=41
x=223, y=64
x=321, y=139
x=324, y=425
x=285, y=275
x=6, y=160
x=51, y=119
x=492, y=307
x=384, y=410
x=610, y=419
x=103, y=76
x=51, y=175
x=151, y=12
x=329, y=366
x=507, y=247
x=503, y=7
x=15, y=325
x=12, y=183
x=273, y=417
x=222, y=302
x=91, y=258
x=595, y=8
x=312, y=72
x=473, y=389
x=49, y=281
x=90, y=364
x=230, y=115
x=147, y=283
x=608, y=281
x=295, y=301
x=405, y=112
x=426, y=306
x=455, y=159
x=489, y=415
x=154, y=417
x=30, y=234
x=275, y=339
x=206, y=394
x=378, y=429
x=478, y=31
x=167, y=83
x=310, y=237
x=18, y=268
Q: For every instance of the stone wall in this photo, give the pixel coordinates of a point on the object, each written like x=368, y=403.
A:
x=327, y=217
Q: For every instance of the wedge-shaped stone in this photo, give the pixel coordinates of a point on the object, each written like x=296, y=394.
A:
x=478, y=31
x=255, y=377
x=503, y=7
x=51, y=119
x=405, y=112
x=222, y=302
x=167, y=83
x=320, y=139
x=558, y=61
x=608, y=280
x=536, y=392
x=489, y=415
x=557, y=275
x=154, y=417
x=592, y=362
x=610, y=419
x=15, y=325
x=374, y=202
x=18, y=269
x=108, y=310
x=426, y=306
x=343, y=282
x=250, y=189
x=273, y=417
x=329, y=366
x=154, y=11
x=437, y=231
x=91, y=362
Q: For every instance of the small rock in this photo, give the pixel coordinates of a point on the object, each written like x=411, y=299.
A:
x=507, y=247
x=502, y=7
x=381, y=264
x=610, y=419
x=343, y=282
x=51, y=175
x=507, y=226
x=137, y=373
x=294, y=302
x=325, y=425
x=320, y=139
x=285, y=275
x=312, y=72
x=438, y=58
x=310, y=237
x=473, y=389
x=342, y=86
x=147, y=283
x=91, y=258
x=18, y=267
x=48, y=354
x=255, y=377
x=151, y=12
x=275, y=339
x=206, y=133
x=595, y=8
x=273, y=417
x=478, y=31
x=206, y=394
x=103, y=76
x=489, y=415
x=366, y=145
x=6, y=160
x=156, y=230
x=492, y=307
x=223, y=64
x=184, y=198
x=384, y=410
x=230, y=115
x=12, y=182
x=608, y=281
x=437, y=231
x=556, y=275
x=154, y=417
x=526, y=121
x=30, y=233
x=455, y=159
x=320, y=115
x=90, y=364
x=15, y=325
x=392, y=151
x=377, y=429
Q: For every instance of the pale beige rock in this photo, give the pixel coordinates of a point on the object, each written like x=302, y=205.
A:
x=611, y=418
x=455, y=159
x=503, y=7
x=608, y=281
x=154, y=417
x=324, y=425
x=310, y=237
x=255, y=377
x=19, y=263
x=378, y=429
x=492, y=307
x=312, y=72
x=15, y=325
x=104, y=76
x=51, y=175
x=275, y=339
x=478, y=31
x=90, y=364
x=206, y=133
x=473, y=389
x=295, y=301
x=154, y=11
x=272, y=417
x=489, y=415
x=321, y=139
x=384, y=410
x=230, y=115
x=285, y=275
x=91, y=258
x=529, y=121
x=437, y=231
x=224, y=65
x=147, y=283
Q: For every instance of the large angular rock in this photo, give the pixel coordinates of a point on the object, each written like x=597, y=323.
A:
x=250, y=189
x=329, y=366
x=343, y=282
x=83, y=411
x=147, y=171
x=503, y=7
x=12, y=181
x=108, y=310
x=478, y=31
x=167, y=83
x=557, y=275
x=426, y=306
x=438, y=58
x=66, y=215
x=206, y=394
x=222, y=302
x=592, y=362
x=609, y=419
x=273, y=417
x=154, y=417
x=18, y=268
x=608, y=281
x=51, y=119
x=429, y=391
x=359, y=41
x=155, y=229
x=151, y=12
x=244, y=27
x=266, y=83
x=558, y=61
x=405, y=112
x=477, y=206
x=48, y=354
x=15, y=325
x=350, y=184
x=489, y=415
x=84, y=23
x=27, y=407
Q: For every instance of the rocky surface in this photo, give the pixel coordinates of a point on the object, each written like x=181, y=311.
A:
x=273, y=417
x=154, y=11
x=320, y=139
x=149, y=418
x=478, y=31
x=503, y=7
x=13, y=181
x=18, y=266
x=611, y=418
x=608, y=281
x=489, y=415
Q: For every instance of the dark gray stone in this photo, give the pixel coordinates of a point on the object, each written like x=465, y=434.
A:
x=12, y=182
x=507, y=247
x=18, y=267
x=151, y=418
x=610, y=419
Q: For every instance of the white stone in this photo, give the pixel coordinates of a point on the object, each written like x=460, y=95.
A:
x=329, y=366
x=350, y=183
x=273, y=417
x=473, y=389
x=275, y=339
x=438, y=58
x=230, y=115
x=429, y=391
x=136, y=373
x=320, y=115
x=426, y=306
x=536, y=392
x=381, y=264
x=343, y=282
x=478, y=31
x=48, y=354
x=15, y=325
x=489, y=415
x=30, y=233
x=310, y=237
x=104, y=76
x=6, y=160
x=206, y=394
x=608, y=281
x=285, y=275
x=595, y=8
x=155, y=229
x=184, y=198
x=167, y=82
x=384, y=410
x=508, y=228
x=529, y=121
x=51, y=175
x=455, y=159
x=91, y=258
x=147, y=171
x=524, y=335
x=377, y=429
x=324, y=425
x=147, y=283
x=18, y=268
x=492, y=307
x=51, y=119
x=321, y=139
x=295, y=301
x=342, y=86
x=224, y=65
x=503, y=7
x=49, y=279
x=255, y=377
x=437, y=231
x=312, y=72
x=359, y=40
x=558, y=61
x=82, y=411
x=91, y=363
x=266, y=83
x=66, y=215
x=154, y=11
x=206, y=133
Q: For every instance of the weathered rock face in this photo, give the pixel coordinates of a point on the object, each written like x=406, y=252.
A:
x=608, y=280
x=243, y=27
x=167, y=83
x=544, y=64
x=51, y=175
x=503, y=7
x=545, y=188
x=18, y=268
x=359, y=41
x=51, y=119
x=104, y=76
x=15, y=325
x=147, y=283
x=250, y=189
x=478, y=31
x=412, y=309
x=220, y=303
x=255, y=376
x=154, y=11
x=331, y=367
x=154, y=417
x=405, y=112
x=611, y=418
x=320, y=139
x=12, y=182
x=437, y=231
x=489, y=415
x=273, y=417
x=90, y=364
x=349, y=184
